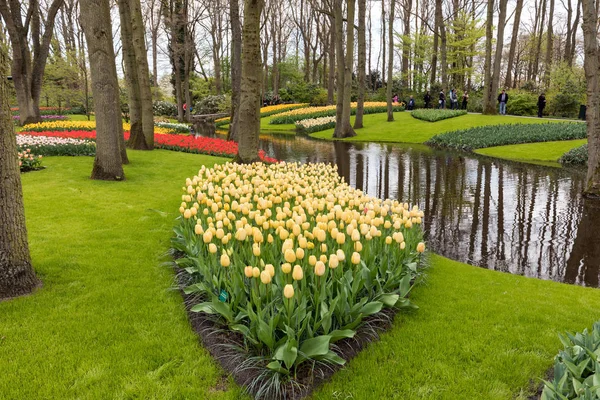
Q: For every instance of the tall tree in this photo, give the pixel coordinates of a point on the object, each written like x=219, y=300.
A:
x=513, y=44
x=489, y=100
x=390, y=76
x=251, y=83
x=96, y=22
x=16, y=272
x=343, y=127
x=406, y=42
x=27, y=66
x=499, y=50
x=549, y=42
x=236, y=68
x=362, y=63
x=592, y=74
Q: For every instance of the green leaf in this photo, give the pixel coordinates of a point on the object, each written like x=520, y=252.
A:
x=287, y=352
x=389, y=300
x=341, y=334
x=224, y=310
x=276, y=366
x=317, y=346
x=371, y=308
x=203, y=307
x=265, y=334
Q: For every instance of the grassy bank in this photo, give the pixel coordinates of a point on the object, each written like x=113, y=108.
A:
x=407, y=129
x=107, y=325
x=545, y=151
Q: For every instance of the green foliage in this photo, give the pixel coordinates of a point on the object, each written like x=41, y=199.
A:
x=490, y=136
x=213, y=104
x=576, y=368
x=328, y=111
x=174, y=127
x=567, y=91
x=576, y=156
x=434, y=115
x=522, y=103
x=164, y=109
x=303, y=92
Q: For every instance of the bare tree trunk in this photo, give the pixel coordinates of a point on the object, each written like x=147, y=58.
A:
x=513, y=44
x=436, y=31
x=236, y=69
x=499, y=49
x=489, y=106
x=333, y=52
x=549, y=41
x=141, y=57
x=536, y=62
x=390, y=78
x=251, y=82
x=346, y=129
x=362, y=61
x=406, y=48
x=95, y=19
x=443, y=49
x=383, y=47
x=16, y=272
x=340, y=61
x=571, y=54
x=592, y=74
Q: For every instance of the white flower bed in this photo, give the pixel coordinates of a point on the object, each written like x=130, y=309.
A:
x=315, y=124
x=27, y=140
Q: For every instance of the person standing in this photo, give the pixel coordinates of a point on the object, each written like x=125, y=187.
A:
x=465, y=100
x=442, y=100
x=427, y=100
x=453, y=99
x=503, y=99
x=411, y=104
x=541, y=105
x=395, y=99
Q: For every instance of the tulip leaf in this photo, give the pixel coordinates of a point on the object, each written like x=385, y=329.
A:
x=389, y=300
x=316, y=346
x=223, y=310
x=276, y=366
x=264, y=333
x=371, y=308
x=203, y=307
x=287, y=352
x=341, y=334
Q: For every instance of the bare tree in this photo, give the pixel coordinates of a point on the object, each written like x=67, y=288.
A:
x=362, y=61
x=28, y=66
x=96, y=23
x=236, y=68
x=549, y=42
x=513, y=44
x=390, y=76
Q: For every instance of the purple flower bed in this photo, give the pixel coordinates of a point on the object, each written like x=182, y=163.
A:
x=47, y=117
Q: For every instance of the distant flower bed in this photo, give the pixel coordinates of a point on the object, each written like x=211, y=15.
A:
x=174, y=127
x=46, y=118
x=29, y=161
x=184, y=143
x=293, y=259
x=576, y=156
x=291, y=117
x=307, y=126
x=502, y=135
x=48, y=110
x=433, y=115
x=56, y=146
x=266, y=111
x=80, y=126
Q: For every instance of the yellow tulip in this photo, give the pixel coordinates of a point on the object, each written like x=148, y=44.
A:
x=421, y=247
x=323, y=247
x=187, y=214
x=299, y=253
x=198, y=230
x=358, y=246
x=248, y=271
x=225, y=262
x=341, y=238
x=288, y=291
x=340, y=255
x=240, y=235
x=289, y=255
x=355, y=258
x=312, y=260
x=355, y=235
x=298, y=274
x=207, y=237
x=333, y=261
x=402, y=245
x=286, y=268
x=255, y=272
x=256, y=250
x=388, y=240
x=212, y=248
x=319, y=268
x=270, y=269
x=323, y=258
x=265, y=277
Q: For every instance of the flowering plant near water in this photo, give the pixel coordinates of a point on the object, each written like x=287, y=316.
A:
x=293, y=258
x=266, y=111
x=292, y=116
x=307, y=126
x=173, y=127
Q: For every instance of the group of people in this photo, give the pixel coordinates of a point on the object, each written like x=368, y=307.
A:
x=453, y=96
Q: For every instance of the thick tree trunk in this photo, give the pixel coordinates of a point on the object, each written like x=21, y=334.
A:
x=340, y=61
x=549, y=42
x=406, y=47
x=538, y=49
x=95, y=19
x=16, y=273
x=592, y=74
x=489, y=99
x=499, y=50
x=346, y=129
x=434, y=55
x=141, y=57
x=332, y=55
x=251, y=83
x=513, y=44
x=236, y=69
x=390, y=78
x=362, y=64
x=136, y=139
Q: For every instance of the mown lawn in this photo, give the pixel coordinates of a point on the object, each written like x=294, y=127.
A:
x=407, y=129
x=544, y=151
x=106, y=324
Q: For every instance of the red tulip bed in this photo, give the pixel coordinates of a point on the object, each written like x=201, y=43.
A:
x=185, y=143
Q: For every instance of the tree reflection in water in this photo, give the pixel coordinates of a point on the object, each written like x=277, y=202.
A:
x=512, y=217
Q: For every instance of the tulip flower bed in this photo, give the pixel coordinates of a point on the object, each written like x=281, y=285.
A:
x=433, y=115
x=291, y=117
x=307, y=126
x=294, y=262
x=267, y=111
x=77, y=126
x=174, y=127
x=185, y=143
x=56, y=146
x=29, y=161
x=46, y=117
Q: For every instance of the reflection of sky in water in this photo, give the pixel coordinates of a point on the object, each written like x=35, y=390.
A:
x=506, y=216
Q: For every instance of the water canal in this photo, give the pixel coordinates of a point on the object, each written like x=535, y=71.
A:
x=513, y=217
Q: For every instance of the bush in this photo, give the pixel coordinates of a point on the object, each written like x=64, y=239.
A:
x=522, y=103
x=164, y=108
x=289, y=282
x=302, y=92
x=434, y=115
x=576, y=156
x=576, y=368
x=501, y=135
x=213, y=104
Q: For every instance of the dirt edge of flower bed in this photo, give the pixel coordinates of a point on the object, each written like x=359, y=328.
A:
x=225, y=347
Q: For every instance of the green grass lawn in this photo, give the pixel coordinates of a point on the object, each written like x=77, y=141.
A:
x=107, y=324
x=407, y=129
x=79, y=117
x=544, y=151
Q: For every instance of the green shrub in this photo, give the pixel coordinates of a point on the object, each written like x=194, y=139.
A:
x=576, y=156
x=522, y=103
x=213, y=104
x=576, y=368
x=433, y=115
x=501, y=135
x=164, y=108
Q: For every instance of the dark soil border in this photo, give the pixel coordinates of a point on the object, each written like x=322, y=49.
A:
x=226, y=347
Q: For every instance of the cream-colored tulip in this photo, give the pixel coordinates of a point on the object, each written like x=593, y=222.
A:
x=298, y=274
x=355, y=258
x=289, y=255
x=421, y=247
x=265, y=277
x=288, y=291
x=248, y=271
x=225, y=262
x=319, y=268
x=312, y=260
x=286, y=268
x=270, y=269
x=212, y=248
x=333, y=261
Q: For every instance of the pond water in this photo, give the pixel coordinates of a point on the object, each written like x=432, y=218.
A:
x=519, y=218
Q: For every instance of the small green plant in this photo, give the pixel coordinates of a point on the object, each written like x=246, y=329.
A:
x=576, y=156
x=576, y=368
x=433, y=115
x=502, y=135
